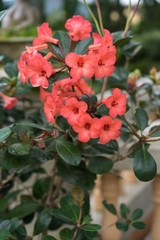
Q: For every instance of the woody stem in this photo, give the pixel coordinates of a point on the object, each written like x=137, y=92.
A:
x=100, y=16
x=104, y=87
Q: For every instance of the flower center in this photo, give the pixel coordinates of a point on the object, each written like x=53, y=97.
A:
x=43, y=73
x=106, y=127
x=100, y=63
x=76, y=110
x=87, y=126
x=80, y=64
x=114, y=103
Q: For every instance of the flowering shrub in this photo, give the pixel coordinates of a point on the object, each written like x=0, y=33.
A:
x=76, y=131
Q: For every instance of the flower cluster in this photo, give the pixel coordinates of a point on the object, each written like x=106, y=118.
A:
x=66, y=98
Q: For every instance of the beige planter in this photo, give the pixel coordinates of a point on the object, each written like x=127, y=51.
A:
x=13, y=47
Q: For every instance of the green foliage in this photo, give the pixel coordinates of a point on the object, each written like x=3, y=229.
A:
x=43, y=221
x=83, y=45
x=141, y=119
x=100, y=165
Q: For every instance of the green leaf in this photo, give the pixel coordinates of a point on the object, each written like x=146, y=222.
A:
x=4, y=234
x=69, y=153
x=83, y=45
x=66, y=234
x=5, y=133
x=91, y=227
x=87, y=219
x=110, y=207
x=118, y=40
x=141, y=118
x=122, y=226
x=23, y=210
x=48, y=237
x=11, y=162
x=100, y=165
x=144, y=165
x=11, y=69
x=156, y=133
x=59, y=76
x=137, y=213
x=60, y=214
x=139, y=225
x=19, y=149
x=124, y=210
x=64, y=40
x=40, y=187
x=2, y=14
x=90, y=99
x=70, y=208
x=39, y=154
x=34, y=125
x=42, y=222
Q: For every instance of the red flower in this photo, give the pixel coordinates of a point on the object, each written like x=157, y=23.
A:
x=44, y=94
x=9, y=101
x=106, y=128
x=83, y=128
x=105, y=60
x=50, y=109
x=81, y=65
x=44, y=35
x=116, y=103
x=78, y=28
x=40, y=70
x=73, y=109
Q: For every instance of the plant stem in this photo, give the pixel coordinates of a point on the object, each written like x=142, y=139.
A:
x=153, y=131
x=58, y=57
x=61, y=49
x=131, y=127
x=104, y=87
x=100, y=17
x=7, y=180
x=130, y=22
x=78, y=224
x=94, y=19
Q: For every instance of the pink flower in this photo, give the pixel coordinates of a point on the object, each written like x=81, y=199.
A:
x=39, y=71
x=9, y=102
x=78, y=28
x=50, y=109
x=83, y=128
x=81, y=65
x=105, y=60
x=106, y=128
x=44, y=35
x=116, y=103
x=44, y=94
x=73, y=109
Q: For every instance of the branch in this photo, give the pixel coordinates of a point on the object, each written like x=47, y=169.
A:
x=100, y=16
x=104, y=87
x=7, y=180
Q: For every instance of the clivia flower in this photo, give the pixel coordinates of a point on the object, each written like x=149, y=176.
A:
x=106, y=128
x=9, y=102
x=81, y=65
x=116, y=103
x=44, y=35
x=78, y=28
x=73, y=109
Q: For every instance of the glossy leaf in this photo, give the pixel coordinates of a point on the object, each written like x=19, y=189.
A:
x=69, y=152
x=66, y=234
x=48, y=237
x=11, y=69
x=110, y=207
x=42, y=222
x=60, y=214
x=5, y=133
x=40, y=187
x=19, y=149
x=91, y=227
x=137, y=213
x=87, y=219
x=23, y=210
x=64, y=40
x=156, y=133
x=83, y=45
x=100, y=165
x=139, y=225
x=124, y=210
x=122, y=226
x=141, y=118
x=70, y=208
x=144, y=165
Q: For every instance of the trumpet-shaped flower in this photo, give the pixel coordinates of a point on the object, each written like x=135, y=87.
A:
x=73, y=109
x=78, y=28
x=44, y=35
x=81, y=65
x=50, y=109
x=116, y=103
x=106, y=128
x=9, y=102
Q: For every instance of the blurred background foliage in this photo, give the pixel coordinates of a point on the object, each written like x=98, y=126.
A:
x=145, y=27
